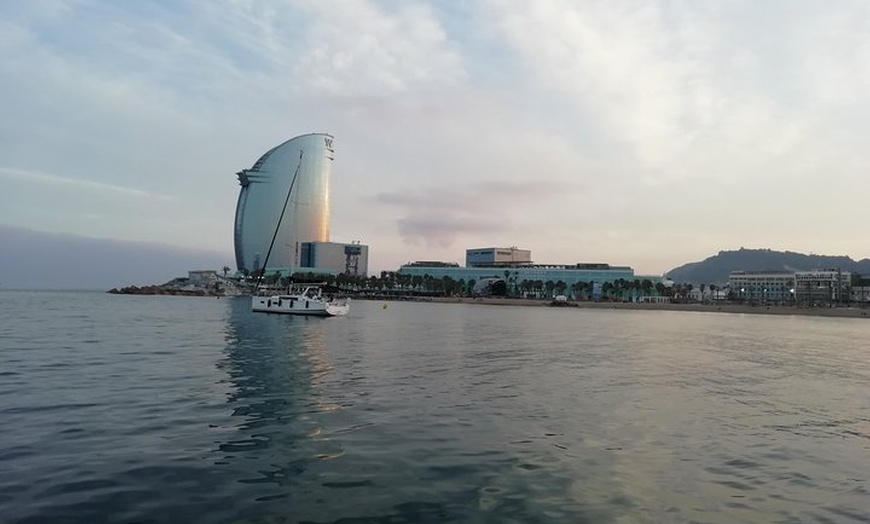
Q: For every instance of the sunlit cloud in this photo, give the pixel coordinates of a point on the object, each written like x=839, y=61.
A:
x=440, y=216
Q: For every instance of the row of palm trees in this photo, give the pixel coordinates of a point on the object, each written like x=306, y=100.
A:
x=388, y=283
x=393, y=283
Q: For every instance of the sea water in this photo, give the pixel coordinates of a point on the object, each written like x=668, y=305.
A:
x=180, y=409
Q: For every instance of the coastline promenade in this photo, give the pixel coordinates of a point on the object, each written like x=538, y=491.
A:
x=842, y=312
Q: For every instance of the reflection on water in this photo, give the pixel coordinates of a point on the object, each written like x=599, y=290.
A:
x=429, y=433
x=276, y=365
x=338, y=420
x=528, y=415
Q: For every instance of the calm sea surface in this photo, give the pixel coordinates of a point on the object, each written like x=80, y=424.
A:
x=171, y=409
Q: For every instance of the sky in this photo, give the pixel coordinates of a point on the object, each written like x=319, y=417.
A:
x=641, y=133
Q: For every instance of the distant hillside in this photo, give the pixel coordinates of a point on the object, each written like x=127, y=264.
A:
x=715, y=270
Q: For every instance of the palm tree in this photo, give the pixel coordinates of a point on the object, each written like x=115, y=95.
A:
x=226, y=270
x=618, y=287
x=578, y=288
x=449, y=285
x=549, y=285
x=647, y=286
x=510, y=283
x=525, y=286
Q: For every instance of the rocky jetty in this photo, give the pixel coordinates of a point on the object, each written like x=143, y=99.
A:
x=162, y=290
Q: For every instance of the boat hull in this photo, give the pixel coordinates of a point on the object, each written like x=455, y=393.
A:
x=298, y=306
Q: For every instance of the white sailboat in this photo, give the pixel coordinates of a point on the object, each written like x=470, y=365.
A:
x=306, y=299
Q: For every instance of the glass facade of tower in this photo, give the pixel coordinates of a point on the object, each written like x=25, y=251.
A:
x=301, y=167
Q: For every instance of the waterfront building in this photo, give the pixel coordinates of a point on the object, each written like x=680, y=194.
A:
x=822, y=285
x=305, y=162
x=202, y=277
x=594, y=275
x=335, y=258
x=777, y=286
x=654, y=299
x=497, y=256
x=861, y=294
x=818, y=285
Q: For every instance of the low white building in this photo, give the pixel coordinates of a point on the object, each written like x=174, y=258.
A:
x=497, y=256
x=336, y=257
x=818, y=285
x=763, y=286
x=861, y=294
x=201, y=277
x=822, y=285
x=653, y=300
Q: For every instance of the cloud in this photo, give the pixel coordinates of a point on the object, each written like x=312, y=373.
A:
x=645, y=73
x=360, y=47
x=59, y=261
x=676, y=84
x=356, y=48
x=671, y=129
x=78, y=184
x=440, y=216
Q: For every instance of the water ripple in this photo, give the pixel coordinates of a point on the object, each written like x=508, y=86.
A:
x=155, y=409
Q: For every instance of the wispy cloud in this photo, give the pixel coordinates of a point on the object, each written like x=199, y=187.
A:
x=362, y=47
x=356, y=48
x=77, y=184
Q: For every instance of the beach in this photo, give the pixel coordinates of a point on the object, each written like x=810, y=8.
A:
x=843, y=312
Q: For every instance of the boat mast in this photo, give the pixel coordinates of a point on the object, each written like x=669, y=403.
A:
x=278, y=225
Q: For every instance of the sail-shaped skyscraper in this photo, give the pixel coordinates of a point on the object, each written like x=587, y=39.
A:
x=300, y=167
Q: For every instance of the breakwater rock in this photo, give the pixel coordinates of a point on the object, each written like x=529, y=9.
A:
x=160, y=290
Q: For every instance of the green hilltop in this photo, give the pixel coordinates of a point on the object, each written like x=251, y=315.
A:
x=715, y=269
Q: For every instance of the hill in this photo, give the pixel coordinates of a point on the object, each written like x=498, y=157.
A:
x=715, y=269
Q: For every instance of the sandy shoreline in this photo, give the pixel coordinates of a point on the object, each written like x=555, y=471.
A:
x=843, y=312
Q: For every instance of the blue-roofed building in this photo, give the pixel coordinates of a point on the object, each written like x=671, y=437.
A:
x=514, y=273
